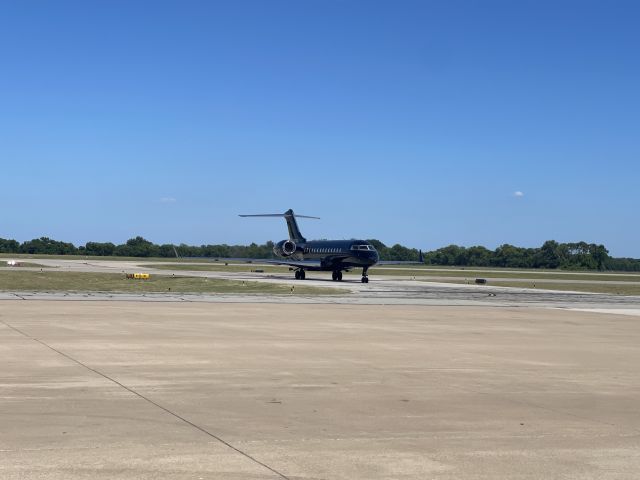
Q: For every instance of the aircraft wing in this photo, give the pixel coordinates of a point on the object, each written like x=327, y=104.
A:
x=306, y=264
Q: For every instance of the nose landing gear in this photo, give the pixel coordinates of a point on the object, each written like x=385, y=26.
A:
x=365, y=277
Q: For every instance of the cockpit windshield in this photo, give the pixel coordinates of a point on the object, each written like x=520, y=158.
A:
x=363, y=247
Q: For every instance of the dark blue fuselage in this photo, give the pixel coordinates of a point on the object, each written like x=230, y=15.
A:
x=335, y=255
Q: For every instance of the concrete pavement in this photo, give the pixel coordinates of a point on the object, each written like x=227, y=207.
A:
x=214, y=390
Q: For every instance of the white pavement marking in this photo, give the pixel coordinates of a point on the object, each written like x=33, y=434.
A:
x=616, y=311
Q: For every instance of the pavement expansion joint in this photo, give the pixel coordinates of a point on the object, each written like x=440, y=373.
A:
x=147, y=399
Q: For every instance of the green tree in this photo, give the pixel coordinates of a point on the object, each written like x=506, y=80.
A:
x=137, y=247
x=45, y=245
x=98, y=248
x=548, y=256
x=9, y=246
x=600, y=255
x=478, y=256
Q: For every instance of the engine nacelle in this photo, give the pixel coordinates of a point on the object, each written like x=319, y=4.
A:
x=285, y=248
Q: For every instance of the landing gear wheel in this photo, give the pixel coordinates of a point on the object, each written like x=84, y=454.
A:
x=303, y=275
x=334, y=276
x=365, y=279
x=297, y=274
x=339, y=276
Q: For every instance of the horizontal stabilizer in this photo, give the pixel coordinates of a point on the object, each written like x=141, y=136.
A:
x=292, y=225
x=279, y=215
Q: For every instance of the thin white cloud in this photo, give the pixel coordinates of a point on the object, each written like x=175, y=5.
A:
x=168, y=200
x=518, y=194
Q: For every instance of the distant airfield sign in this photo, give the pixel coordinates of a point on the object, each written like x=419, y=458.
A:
x=139, y=276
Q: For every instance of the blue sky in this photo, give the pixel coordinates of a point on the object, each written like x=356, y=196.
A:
x=411, y=122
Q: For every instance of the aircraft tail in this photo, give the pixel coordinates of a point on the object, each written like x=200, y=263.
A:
x=294, y=232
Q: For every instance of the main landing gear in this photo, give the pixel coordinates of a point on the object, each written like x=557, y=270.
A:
x=336, y=276
x=300, y=275
x=365, y=277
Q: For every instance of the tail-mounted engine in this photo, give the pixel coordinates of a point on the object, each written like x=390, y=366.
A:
x=285, y=248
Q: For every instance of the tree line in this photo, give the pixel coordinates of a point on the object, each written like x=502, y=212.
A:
x=551, y=255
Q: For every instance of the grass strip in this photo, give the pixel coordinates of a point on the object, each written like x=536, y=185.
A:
x=219, y=267
x=11, y=280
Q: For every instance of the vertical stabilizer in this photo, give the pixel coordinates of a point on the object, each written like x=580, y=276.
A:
x=292, y=225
